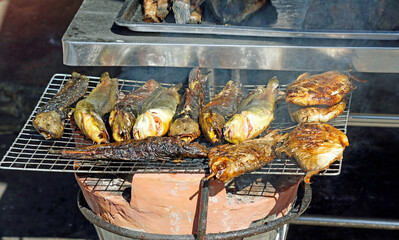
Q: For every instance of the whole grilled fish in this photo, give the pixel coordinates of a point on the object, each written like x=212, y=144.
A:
x=186, y=124
x=89, y=111
x=123, y=116
x=49, y=119
x=213, y=116
x=151, y=148
x=157, y=113
x=319, y=113
x=254, y=114
x=228, y=161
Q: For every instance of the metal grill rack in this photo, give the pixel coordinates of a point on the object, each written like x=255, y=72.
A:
x=30, y=151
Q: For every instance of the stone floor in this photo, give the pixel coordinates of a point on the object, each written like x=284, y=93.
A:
x=43, y=205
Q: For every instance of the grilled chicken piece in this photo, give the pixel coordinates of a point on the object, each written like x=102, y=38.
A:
x=89, y=111
x=123, y=116
x=213, y=116
x=327, y=88
x=185, y=124
x=49, y=119
x=157, y=113
x=229, y=161
x=151, y=148
x=316, y=113
x=254, y=114
x=314, y=146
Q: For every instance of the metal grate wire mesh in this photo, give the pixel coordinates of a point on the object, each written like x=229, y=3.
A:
x=30, y=151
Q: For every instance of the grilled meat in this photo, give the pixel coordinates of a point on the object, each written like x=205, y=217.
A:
x=157, y=113
x=151, y=148
x=89, y=111
x=327, y=88
x=229, y=161
x=254, y=114
x=314, y=146
x=186, y=124
x=316, y=113
x=49, y=119
x=150, y=11
x=213, y=116
x=123, y=116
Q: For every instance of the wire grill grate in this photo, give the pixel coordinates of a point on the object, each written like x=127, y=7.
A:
x=31, y=152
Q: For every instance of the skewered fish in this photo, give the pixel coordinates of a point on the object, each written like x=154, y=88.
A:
x=186, y=124
x=229, y=161
x=150, y=11
x=89, y=111
x=327, y=88
x=123, y=116
x=314, y=146
x=213, y=115
x=316, y=113
x=151, y=148
x=255, y=114
x=49, y=119
x=157, y=113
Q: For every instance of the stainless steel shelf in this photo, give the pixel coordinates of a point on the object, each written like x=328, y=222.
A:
x=92, y=39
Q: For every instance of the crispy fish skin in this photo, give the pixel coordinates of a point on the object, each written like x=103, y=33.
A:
x=186, y=124
x=49, y=119
x=213, y=116
x=314, y=146
x=89, y=111
x=316, y=114
x=123, y=116
x=150, y=11
x=157, y=113
x=229, y=161
x=255, y=114
x=327, y=88
x=151, y=148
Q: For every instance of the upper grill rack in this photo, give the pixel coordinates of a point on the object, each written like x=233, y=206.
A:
x=30, y=151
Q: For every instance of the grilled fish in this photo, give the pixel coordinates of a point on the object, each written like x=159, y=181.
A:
x=157, y=113
x=213, y=116
x=182, y=11
x=235, y=11
x=123, y=116
x=150, y=11
x=151, y=148
x=327, y=88
x=316, y=113
x=229, y=161
x=89, y=111
x=163, y=9
x=196, y=12
x=186, y=124
x=314, y=146
x=254, y=114
x=49, y=119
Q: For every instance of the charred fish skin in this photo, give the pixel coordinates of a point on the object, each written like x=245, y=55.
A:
x=151, y=148
x=123, y=116
x=49, y=119
x=255, y=114
x=157, y=113
x=229, y=161
x=89, y=111
x=185, y=124
x=314, y=146
x=213, y=116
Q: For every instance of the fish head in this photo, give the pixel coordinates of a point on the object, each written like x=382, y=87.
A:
x=154, y=122
x=185, y=128
x=49, y=125
x=221, y=168
x=92, y=126
x=212, y=126
x=237, y=129
x=121, y=124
